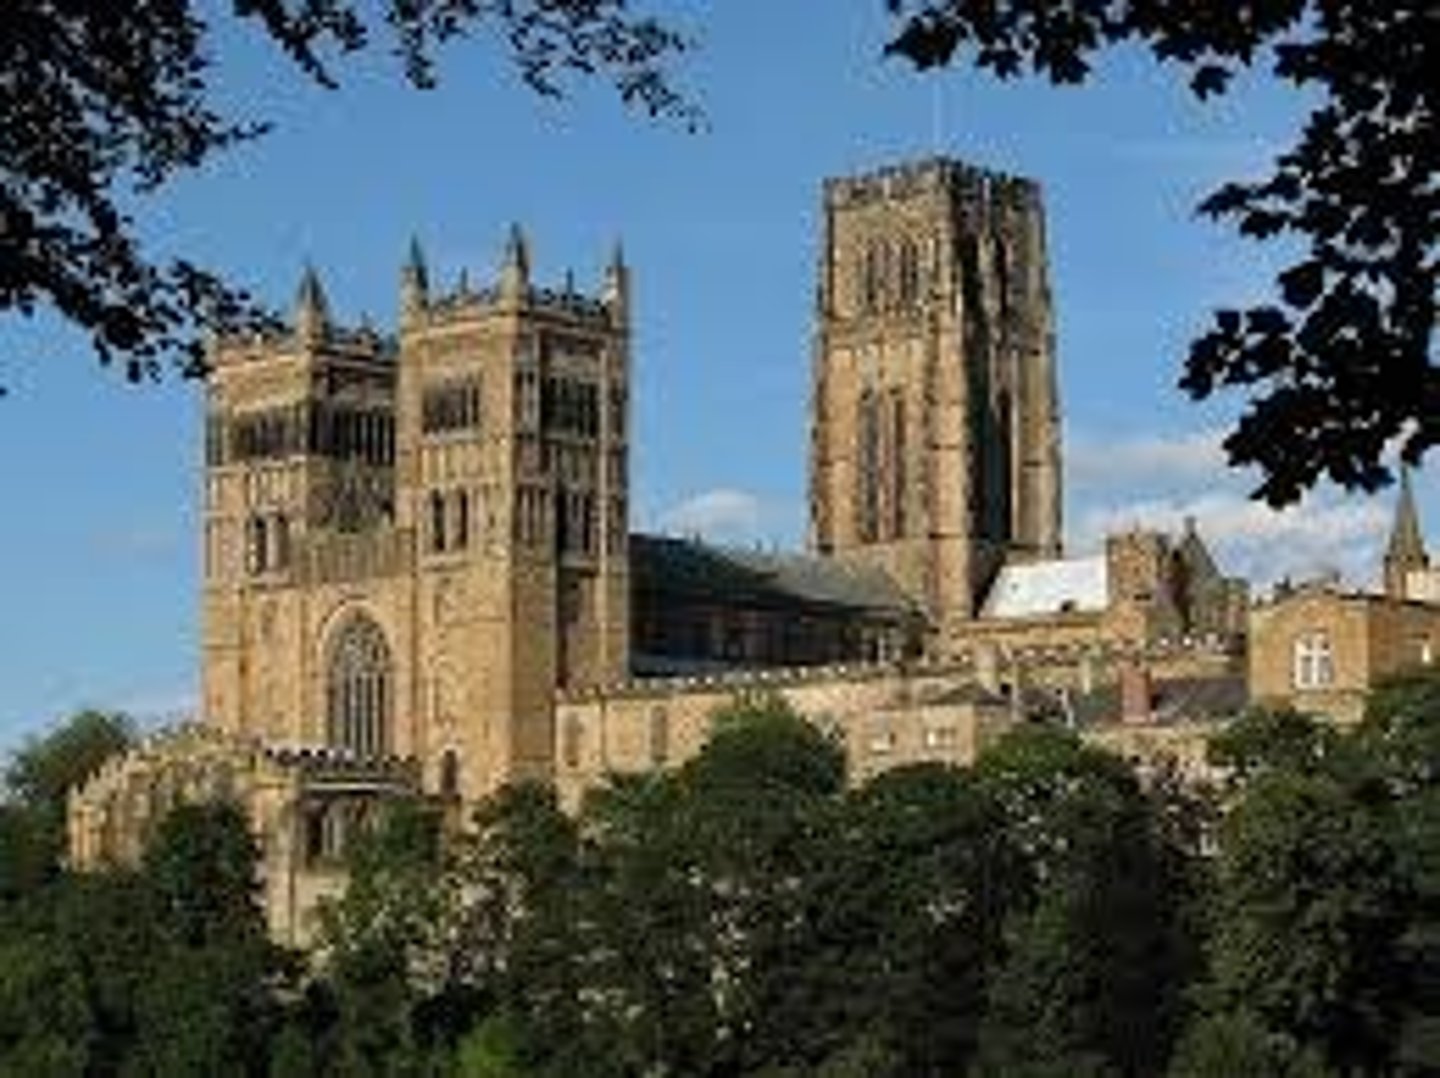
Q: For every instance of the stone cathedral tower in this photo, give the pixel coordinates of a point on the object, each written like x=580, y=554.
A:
x=410, y=542
x=935, y=440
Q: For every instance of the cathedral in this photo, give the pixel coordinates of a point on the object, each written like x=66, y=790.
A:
x=420, y=580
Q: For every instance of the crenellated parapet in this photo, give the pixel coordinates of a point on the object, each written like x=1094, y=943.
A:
x=905, y=181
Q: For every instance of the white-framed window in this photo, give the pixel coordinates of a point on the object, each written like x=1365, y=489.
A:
x=1313, y=661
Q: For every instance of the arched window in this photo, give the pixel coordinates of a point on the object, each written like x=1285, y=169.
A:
x=867, y=467
x=909, y=273
x=898, y=438
x=872, y=271
x=462, y=519
x=437, y=521
x=259, y=545
x=280, y=539
x=449, y=774
x=358, y=688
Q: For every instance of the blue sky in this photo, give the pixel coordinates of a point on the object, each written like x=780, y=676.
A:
x=98, y=567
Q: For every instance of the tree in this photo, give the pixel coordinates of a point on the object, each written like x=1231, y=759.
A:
x=206, y=1002
x=36, y=784
x=1239, y=1046
x=166, y=969
x=1342, y=360
x=102, y=104
x=393, y=994
x=912, y=904
x=1096, y=956
x=1401, y=732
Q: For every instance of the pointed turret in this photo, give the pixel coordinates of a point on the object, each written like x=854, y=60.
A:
x=1194, y=555
x=312, y=312
x=616, y=291
x=414, y=283
x=515, y=271
x=1405, y=552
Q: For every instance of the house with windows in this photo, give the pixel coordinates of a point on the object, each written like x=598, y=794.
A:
x=1320, y=647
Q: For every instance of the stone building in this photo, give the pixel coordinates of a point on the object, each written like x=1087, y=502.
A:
x=419, y=575
x=1319, y=647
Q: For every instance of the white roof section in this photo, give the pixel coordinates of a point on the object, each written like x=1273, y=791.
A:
x=1041, y=588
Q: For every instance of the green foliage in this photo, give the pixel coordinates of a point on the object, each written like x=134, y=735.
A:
x=759, y=744
x=1342, y=358
x=163, y=970
x=1096, y=955
x=36, y=783
x=391, y=1004
x=1263, y=741
x=1326, y=917
x=1238, y=1046
x=44, y=769
x=749, y=914
x=1310, y=909
x=128, y=91
x=490, y=1050
x=913, y=901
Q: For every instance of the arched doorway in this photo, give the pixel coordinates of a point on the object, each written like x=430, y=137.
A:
x=358, y=688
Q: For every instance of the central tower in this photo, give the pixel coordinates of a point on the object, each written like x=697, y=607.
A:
x=935, y=424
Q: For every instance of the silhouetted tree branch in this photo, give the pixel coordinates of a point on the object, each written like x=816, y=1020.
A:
x=102, y=103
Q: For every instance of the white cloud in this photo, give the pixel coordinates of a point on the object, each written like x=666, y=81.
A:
x=730, y=515
x=721, y=510
x=1184, y=458
x=1156, y=480
x=1321, y=534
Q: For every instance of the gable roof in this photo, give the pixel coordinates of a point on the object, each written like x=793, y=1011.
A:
x=1041, y=588
x=694, y=569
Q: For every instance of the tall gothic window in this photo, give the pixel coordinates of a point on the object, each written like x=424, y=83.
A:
x=358, y=688
x=897, y=465
x=867, y=467
x=437, y=521
x=871, y=275
x=909, y=273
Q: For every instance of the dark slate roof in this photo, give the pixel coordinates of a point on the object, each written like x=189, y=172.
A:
x=1175, y=700
x=690, y=568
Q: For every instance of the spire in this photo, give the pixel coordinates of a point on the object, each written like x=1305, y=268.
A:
x=515, y=272
x=1406, y=549
x=415, y=265
x=312, y=312
x=414, y=283
x=617, y=282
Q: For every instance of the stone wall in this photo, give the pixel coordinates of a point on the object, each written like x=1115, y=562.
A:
x=1364, y=636
x=302, y=805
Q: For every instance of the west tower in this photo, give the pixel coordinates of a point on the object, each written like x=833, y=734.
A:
x=935, y=416
x=411, y=541
x=513, y=477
